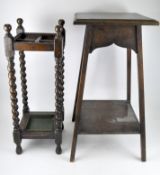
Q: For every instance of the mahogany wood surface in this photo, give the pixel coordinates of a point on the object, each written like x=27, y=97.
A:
x=113, y=18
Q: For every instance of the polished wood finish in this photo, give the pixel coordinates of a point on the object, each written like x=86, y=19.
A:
x=23, y=81
x=113, y=117
x=86, y=47
x=35, y=125
x=59, y=87
x=141, y=93
x=13, y=88
x=123, y=36
x=34, y=42
x=129, y=75
x=113, y=19
x=107, y=117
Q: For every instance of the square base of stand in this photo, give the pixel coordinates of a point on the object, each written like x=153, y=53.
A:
x=38, y=125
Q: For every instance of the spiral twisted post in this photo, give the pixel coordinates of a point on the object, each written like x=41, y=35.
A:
x=59, y=68
x=62, y=87
x=23, y=82
x=9, y=51
x=61, y=23
x=19, y=30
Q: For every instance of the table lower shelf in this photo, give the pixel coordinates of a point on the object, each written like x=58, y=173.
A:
x=108, y=117
x=37, y=125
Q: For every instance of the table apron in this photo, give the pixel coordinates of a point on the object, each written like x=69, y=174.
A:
x=104, y=35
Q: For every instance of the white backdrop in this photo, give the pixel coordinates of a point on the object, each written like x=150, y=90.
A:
x=106, y=79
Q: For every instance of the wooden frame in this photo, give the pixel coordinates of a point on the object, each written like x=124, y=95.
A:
x=110, y=116
x=35, y=125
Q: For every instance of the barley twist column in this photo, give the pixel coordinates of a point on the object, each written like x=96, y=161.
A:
x=19, y=30
x=59, y=68
x=61, y=22
x=9, y=51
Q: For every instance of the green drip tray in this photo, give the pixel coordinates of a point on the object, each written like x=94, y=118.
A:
x=40, y=121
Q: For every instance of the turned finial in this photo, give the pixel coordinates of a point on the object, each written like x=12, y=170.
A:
x=7, y=28
x=20, y=28
x=8, y=41
x=61, y=22
x=19, y=21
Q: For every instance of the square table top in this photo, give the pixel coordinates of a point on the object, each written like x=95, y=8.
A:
x=113, y=18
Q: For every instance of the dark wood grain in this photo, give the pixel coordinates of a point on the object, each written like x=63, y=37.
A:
x=86, y=48
x=8, y=39
x=141, y=93
x=105, y=35
x=108, y=117
x=100, y=117
x=80, y=73
x=37, y=135
x=34, y=42
x=129, y=75
x=36, y=125
x=113, y=18
x=23, y=81
x=59, y=68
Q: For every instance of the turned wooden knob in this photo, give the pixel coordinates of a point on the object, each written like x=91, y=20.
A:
x=61, y=22
x=20, y=28
x=7, y=28
x=20, y=21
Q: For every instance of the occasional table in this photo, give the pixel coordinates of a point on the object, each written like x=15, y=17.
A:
x=111, y=116
x=35, y=125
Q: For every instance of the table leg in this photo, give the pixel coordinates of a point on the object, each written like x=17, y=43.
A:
x=141, y=93
x=81, y=83
x=129, y=75
x=77, y=91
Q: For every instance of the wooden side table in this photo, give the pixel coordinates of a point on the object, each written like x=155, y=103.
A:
x=111, y=116
x=35, y=125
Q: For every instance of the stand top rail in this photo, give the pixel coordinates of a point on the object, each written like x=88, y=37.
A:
x=34, y=41
x=24, y=41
